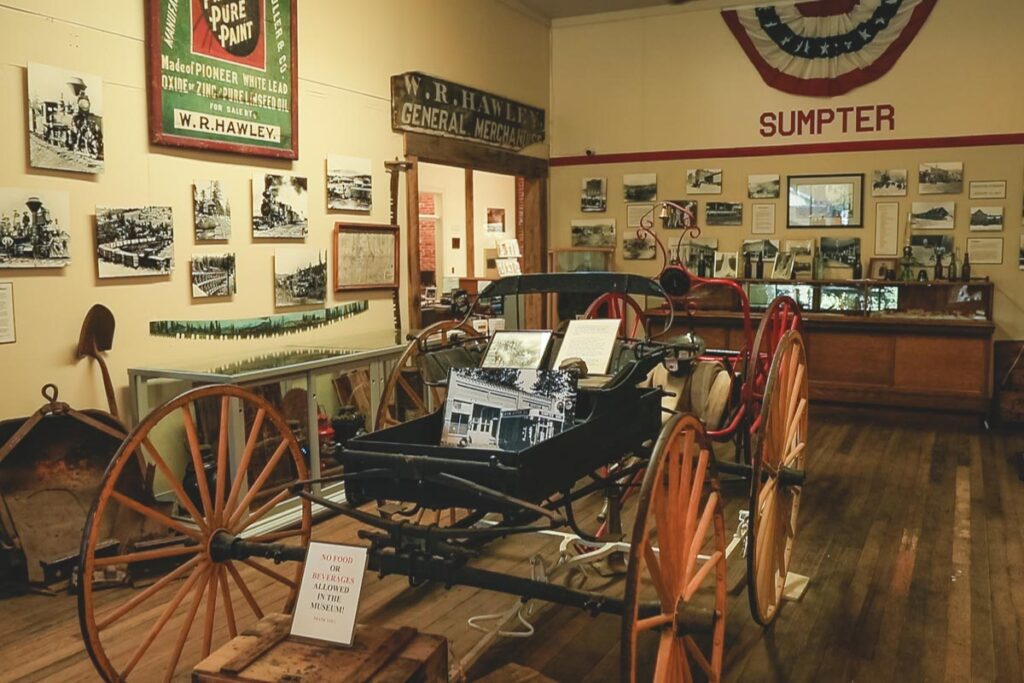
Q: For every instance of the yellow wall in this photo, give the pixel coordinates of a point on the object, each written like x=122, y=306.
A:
x=347, y=52
x=676, y=79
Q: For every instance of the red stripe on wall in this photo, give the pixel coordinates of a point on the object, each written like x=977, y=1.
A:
x=800, y=148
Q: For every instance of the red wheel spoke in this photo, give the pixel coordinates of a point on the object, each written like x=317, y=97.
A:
x=186, y=627
x=197, y=460
x=276, y=536
x=412, y=394
x=156, y=516
x=269, y=572
x=172, y=481
x=244, y=590
x=229, y=607
x=263, y=510
x=243, y=463
x=656, y=621
x=701, y=574
x=698, y=656
x=222, y=458
x=663, y=666
x=109, y=618
x=654, y=569
x=258, y=484
x=211, y=610
x=701, y=533
x=146, y=555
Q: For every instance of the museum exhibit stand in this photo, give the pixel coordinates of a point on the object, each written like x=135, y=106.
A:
x=919, y=345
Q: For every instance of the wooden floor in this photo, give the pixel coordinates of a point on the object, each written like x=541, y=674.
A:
x=913, y=539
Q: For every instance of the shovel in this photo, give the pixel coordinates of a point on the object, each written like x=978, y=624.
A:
x=98, y=335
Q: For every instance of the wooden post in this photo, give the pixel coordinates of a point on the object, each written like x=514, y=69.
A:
x=470, y=227
x=412, y=244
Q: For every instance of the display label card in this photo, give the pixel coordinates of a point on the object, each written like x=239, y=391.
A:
x=332, y=582
x=591, y=340
x=6, y=312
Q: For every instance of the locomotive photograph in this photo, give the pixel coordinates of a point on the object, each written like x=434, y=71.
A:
x=134, y=241
x=300, y=276
x=213, y=275
x=33, y=229
x=65, y=119
x=280, y=206
x=212, y=211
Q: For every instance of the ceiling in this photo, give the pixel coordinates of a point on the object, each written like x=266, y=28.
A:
x=559, y=9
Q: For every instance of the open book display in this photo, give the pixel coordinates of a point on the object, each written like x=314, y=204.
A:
x=507, y=409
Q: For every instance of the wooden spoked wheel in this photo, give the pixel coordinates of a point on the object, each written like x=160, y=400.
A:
x=676, y=582
x=616, y=305
x=404, y=395
x=144, y=633
x=777, y=478
x=781, y=316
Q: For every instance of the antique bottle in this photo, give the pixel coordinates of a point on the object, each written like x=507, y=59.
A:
x=817, y=266
x=760, y=264
x=858, y=270
x=965, y=269
x=951, y=271
x=747, y=266
x=938, y=266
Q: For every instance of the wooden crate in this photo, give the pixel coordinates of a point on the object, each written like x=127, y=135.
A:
x=266, y=653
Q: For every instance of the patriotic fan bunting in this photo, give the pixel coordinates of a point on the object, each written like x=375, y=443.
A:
x=827, y=47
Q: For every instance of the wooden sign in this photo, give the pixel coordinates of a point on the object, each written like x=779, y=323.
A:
x=222, y=75
x=329, y=594
x=424, y=104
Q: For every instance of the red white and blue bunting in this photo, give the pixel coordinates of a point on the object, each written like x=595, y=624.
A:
x=827, y=47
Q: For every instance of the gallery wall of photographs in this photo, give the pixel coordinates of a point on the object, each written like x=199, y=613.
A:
x=857, y=219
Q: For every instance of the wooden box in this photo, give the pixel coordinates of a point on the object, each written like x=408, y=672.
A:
x=266, y=653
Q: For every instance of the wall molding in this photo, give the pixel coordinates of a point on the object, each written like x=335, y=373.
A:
x=990, y=140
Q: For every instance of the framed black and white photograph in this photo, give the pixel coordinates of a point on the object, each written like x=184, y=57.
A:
x=300, y=276
x=837, y=252
x=134, y=241
x=986, y=218
x=782, y=269
x=280, y=206
x=940, y=177
x=594, y=195
x=593, y=233
x=727, y=264
x=699, y=254
x=763, y=186
x=703, y=181
x=495, y=220
x=516, y=349
x=508, y=409
x=211, y=211
x=723, y=213
x=932, y=215
x=985, y=251
x=803, y=258
x=770, y=249
x=65, y=119
x=879, y=267
x=674, y=218
x=639, y=248
x=987, y=189
x=213, y=275
x=833, y=201
x=891, y=182
x=926, y=249
x=640, y=187
x=365, y=256
x=34, y=228
x=349, y=183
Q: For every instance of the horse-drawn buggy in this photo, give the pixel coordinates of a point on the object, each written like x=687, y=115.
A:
x=643, y=439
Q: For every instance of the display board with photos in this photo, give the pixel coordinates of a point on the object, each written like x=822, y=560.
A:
x=507, y=409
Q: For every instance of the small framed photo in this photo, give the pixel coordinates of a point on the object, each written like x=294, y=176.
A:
x=987, y=189
x=523, y=350
x=833, y=201
x=879, y=267
x=365, y=256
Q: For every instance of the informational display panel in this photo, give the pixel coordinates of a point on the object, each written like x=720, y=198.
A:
x=222, y=75
x=332, y=581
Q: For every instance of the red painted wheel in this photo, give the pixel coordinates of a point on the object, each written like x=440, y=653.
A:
x=676, y=581
x=121, y=625
x=781, y=316
x=616, y=305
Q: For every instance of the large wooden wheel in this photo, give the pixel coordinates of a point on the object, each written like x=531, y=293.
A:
x=781, y=316
x=677, y=562
x=777, y=477
x=617, y=305
x=144, y=633
x=404, y=392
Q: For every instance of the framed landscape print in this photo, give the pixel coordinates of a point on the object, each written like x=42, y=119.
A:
x=222, y=75
x=365, y=256
x=833, y=201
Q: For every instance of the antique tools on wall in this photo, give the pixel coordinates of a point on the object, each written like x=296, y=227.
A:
x=395, y=169
x=98, y=335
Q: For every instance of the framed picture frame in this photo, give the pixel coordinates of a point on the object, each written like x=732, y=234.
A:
x=825, y=201
x=365, y=256
x=196, y=61
x=878, y=266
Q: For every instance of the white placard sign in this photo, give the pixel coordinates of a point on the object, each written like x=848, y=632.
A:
x=591, y=340
x=332, y=581
x=762, y=220
x=6, y=312
x=887, y=226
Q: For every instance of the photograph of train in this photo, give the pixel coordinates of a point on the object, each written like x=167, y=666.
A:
x=280, y=206
x=32, y=229
x=300, y=276
x=65, y=119
x=213, y=275
x=134, y=241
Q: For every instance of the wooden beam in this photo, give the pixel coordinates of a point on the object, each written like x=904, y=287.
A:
x=470, y=226
x=437, y=150
x=412, y=248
